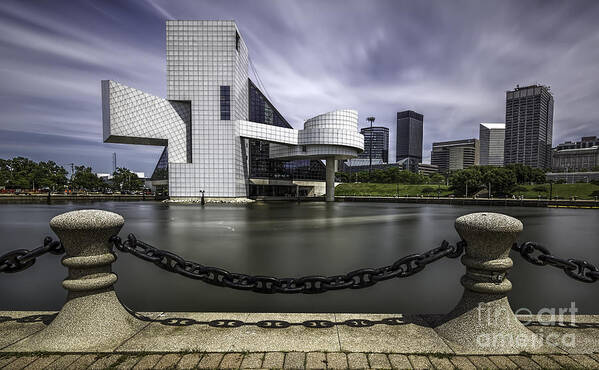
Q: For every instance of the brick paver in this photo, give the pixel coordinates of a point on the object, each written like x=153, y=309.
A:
x=210, y=361
x=357, y=360
x=438, y=362
x=20, y=362
x=83, y=362
x=316, y=360
x=462, y=362
x=105, y=362
x=63, y=362
x=419, y=362
x=545, y=362
x=586, y=361
x=482, y=362
x=127, y=362
x=41, y=362
x=168, y=361
x=273, y=360
x=524, y=362
x=336, y=360
x=231, y=361
x=252, y=360
x=378, y=361
x=189, y=361
x=503, y=362
x=294, y=360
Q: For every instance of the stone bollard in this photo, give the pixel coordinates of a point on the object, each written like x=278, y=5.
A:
x=483, y=321
x=93, y=318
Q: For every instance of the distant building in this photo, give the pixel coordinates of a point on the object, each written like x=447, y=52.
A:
x=529, y=126
x=379, y=138
x=492, y=137
x=575, y=160
x=455, y=155
x=427, y=169
x=408, y=143
x=585, y=142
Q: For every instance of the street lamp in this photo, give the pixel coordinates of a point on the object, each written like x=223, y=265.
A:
x=370, y=119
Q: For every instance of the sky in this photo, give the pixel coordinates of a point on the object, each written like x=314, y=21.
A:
x=451, y=60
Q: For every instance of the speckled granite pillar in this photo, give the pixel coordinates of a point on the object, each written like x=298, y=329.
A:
x=92, y=319
x=483, y=321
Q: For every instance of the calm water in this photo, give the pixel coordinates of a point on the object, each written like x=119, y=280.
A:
x=289, y=239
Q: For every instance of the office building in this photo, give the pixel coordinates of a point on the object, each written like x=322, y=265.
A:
x=492, y=137
x=528, y=126
x=378, y=138
x=455, y=155
x=223, y=138
x=408, y=145
x=427, y=169
x=576, y=157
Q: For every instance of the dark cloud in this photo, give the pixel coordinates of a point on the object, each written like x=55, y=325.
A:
x=450, y=60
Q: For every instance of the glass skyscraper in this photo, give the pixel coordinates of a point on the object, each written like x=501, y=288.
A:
x=377, y=140
x=408, y=145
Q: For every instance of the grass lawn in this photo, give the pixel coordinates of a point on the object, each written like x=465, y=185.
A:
x=563, y=191
x=389, y=190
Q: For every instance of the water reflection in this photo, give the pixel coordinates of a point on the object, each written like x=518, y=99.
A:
x=291, y=239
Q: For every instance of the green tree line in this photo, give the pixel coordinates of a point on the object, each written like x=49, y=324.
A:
x=23, y=173
x=392, y=175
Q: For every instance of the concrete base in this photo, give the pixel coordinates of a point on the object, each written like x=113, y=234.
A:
x=483, y=323
x=209, y=200
x=96, y=322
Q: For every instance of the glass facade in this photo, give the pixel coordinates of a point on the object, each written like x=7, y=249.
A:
x=262, y=111
x=225, y=103
x=161, y=170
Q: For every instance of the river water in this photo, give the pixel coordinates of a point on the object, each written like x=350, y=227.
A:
x=293, y=239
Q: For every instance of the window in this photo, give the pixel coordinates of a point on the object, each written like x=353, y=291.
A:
x=225, y=103
x=237, y=40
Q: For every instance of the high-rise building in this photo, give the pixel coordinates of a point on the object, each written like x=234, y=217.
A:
x=378, y=138
x=455, y=155
x=492, y=137
x=528, y=126
x=408, y=144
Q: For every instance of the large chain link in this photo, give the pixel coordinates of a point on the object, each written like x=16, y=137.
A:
x=576, y=269
x=21, y=259
x=404, y=267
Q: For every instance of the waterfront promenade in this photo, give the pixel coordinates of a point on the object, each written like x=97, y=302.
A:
x=179, y=340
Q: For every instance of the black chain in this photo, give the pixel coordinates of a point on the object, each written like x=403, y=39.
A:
x=576, y=269
x=21, y=259
x=404, y=267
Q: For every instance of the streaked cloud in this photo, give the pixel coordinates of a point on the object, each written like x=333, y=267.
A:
x=450, y=60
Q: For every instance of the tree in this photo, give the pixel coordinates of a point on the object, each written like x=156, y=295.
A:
x=502, y=180
x=470, y=178
x=436, y=178
x=123, y=179
x=85, y=179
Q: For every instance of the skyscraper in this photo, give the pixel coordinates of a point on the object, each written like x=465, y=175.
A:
x=492, y=136
x=380, y=143
x=455, y=155
x=408, y=143
x=529, y=126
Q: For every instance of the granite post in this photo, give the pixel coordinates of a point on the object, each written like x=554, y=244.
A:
x=93, y=318
x=483, y=321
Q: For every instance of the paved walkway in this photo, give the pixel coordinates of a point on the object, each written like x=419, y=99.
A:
x=313, y=341
x=294, y=360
